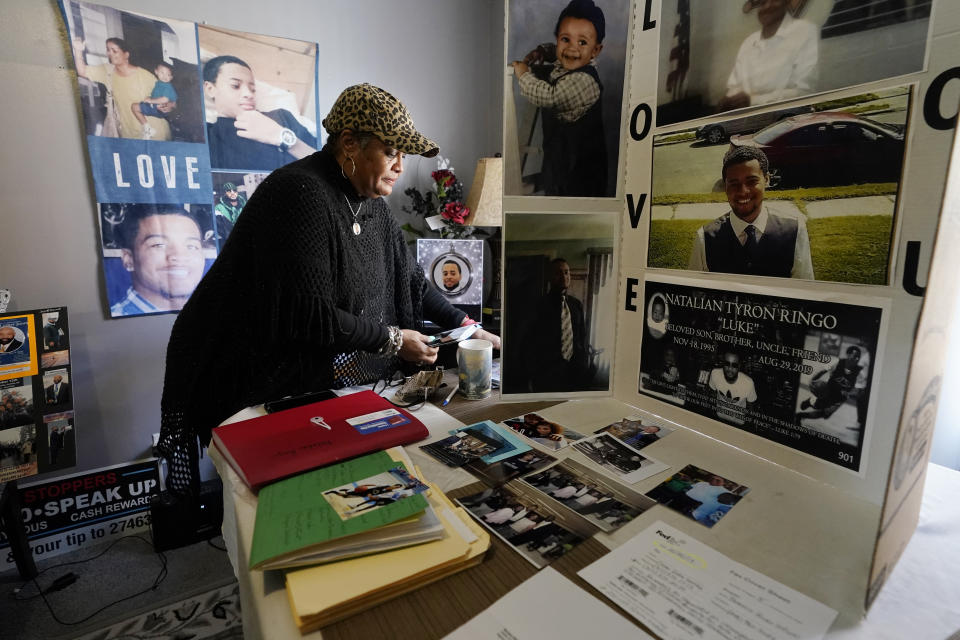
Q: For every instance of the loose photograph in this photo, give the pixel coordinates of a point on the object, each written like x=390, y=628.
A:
x=717, y=57
x=527, y=528
x=462, y=447
x=546, y=433
x=809, y=192
x=559, y=302
x=617, y=458
x=508, y=444
x=794, y=371
x=576, y=488
x=636, y=431
x=567, y=60
x=371, y=493
x=154, y=254
x=519, y=464
x=138, y=74
x=260, y=99
x=696, y=493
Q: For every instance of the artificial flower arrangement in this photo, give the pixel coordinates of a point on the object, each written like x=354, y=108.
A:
x=445, y=200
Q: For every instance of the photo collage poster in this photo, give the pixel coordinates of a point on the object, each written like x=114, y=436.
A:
x=793, y=152
x=36, y=394
x=183, y=121
x=565, y=96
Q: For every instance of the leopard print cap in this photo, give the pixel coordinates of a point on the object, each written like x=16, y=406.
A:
x=364, y=107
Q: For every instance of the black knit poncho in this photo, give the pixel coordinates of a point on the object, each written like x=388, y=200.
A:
x=295, y=302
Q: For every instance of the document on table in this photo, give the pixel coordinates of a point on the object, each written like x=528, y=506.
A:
x=548, y=606
x=681, y=589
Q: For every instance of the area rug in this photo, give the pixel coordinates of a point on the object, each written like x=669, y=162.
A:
x=212, y=615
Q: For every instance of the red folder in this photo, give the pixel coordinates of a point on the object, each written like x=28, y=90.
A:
x=265, y=449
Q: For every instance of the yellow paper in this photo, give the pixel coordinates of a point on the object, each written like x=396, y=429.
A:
x=319, y=589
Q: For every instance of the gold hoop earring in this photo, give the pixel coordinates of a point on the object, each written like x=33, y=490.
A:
x=352, y=171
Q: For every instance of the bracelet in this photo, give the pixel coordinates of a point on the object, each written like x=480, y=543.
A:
x=394, y=341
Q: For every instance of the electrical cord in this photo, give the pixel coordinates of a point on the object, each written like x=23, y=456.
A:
x=67, y=579
x=216, y=546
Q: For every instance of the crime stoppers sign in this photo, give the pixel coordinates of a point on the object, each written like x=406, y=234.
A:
x=64, y=514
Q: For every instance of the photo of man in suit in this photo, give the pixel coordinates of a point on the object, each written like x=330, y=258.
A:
x=561, y=360
x=751, y=239
x=58, y=392
x=56, y=443
x=8, y=340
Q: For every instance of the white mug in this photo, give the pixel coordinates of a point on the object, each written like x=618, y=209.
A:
x=475, y=366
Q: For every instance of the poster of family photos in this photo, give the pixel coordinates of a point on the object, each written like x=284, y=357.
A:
x=182, y=122
x=795, y=371
x=36, y=394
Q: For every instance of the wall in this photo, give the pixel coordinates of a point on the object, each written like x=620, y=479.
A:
x=441, y=57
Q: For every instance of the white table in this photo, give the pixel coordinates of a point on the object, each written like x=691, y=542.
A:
x=921, y=599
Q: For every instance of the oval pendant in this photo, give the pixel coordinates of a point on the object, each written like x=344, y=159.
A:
x=356, y=228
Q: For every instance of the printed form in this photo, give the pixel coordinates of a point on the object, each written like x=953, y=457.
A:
x=681, y=589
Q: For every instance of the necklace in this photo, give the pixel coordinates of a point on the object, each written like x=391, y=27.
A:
x=356, y=225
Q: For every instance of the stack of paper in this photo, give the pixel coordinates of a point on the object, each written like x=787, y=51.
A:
x=370, y=529
x=365, y=505
x=325, y=594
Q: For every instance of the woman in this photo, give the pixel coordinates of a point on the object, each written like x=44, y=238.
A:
x=242, y=137
x=126, y=84
x=314, y=288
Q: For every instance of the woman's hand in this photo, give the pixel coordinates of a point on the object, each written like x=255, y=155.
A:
x=253, y=125
x=415, y=348
x=486, y=335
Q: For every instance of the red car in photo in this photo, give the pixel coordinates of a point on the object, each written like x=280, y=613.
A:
x=829, y=148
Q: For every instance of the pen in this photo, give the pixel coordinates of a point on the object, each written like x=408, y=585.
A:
x=446, y=400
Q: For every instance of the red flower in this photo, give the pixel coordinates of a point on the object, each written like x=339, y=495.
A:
x=443, y=177
x=455, y=212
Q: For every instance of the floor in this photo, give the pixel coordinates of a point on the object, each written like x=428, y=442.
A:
x=120, y=581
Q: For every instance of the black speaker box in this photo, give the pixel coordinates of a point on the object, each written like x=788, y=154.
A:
x=178, y=521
